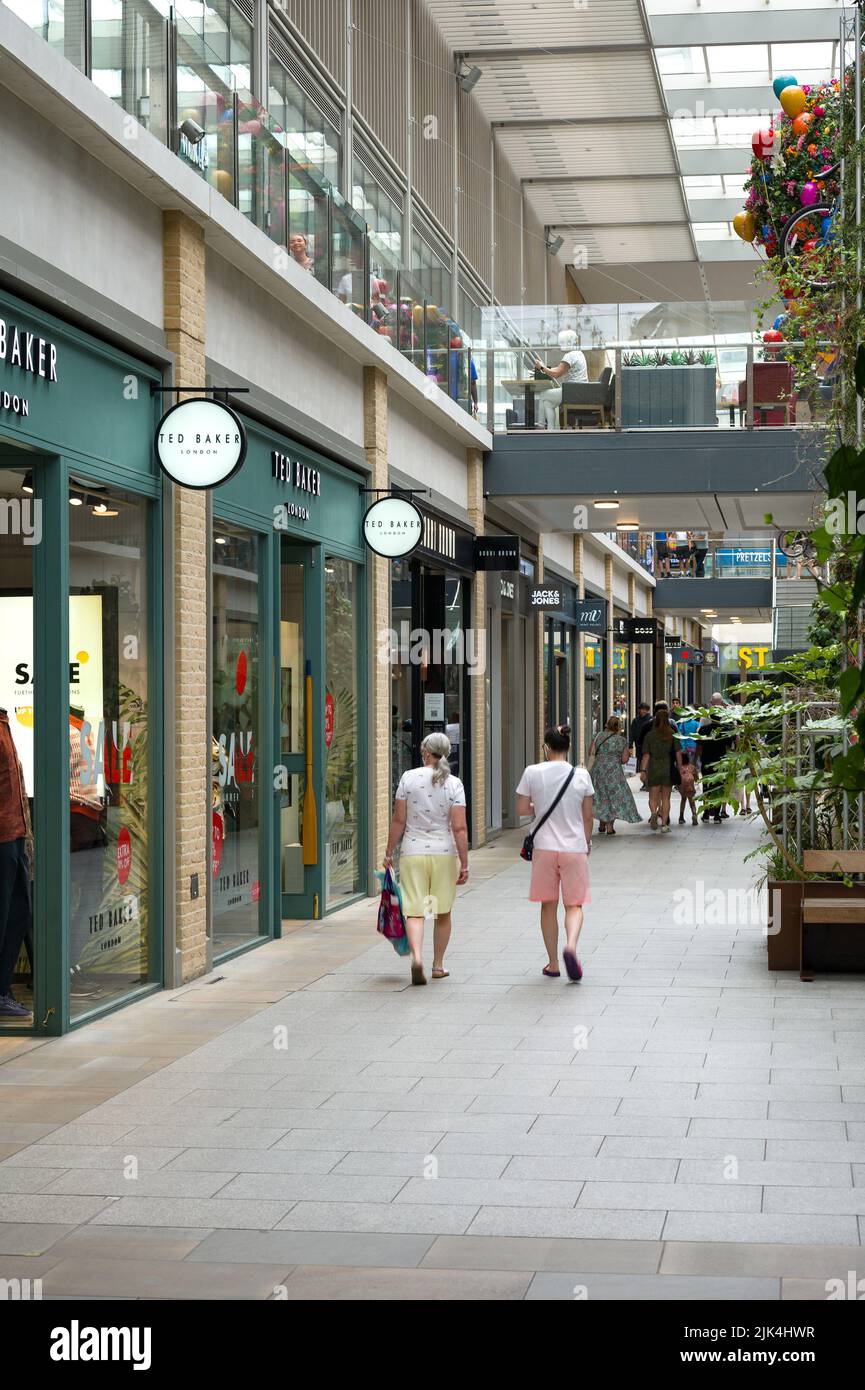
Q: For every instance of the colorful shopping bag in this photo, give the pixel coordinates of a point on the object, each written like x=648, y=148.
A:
x=391, y=918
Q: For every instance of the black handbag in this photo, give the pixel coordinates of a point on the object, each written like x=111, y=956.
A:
x=528, y=848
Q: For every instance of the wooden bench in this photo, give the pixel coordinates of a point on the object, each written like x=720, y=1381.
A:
x=839, y=912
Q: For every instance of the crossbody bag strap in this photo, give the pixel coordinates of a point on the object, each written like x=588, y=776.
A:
x=549, y=811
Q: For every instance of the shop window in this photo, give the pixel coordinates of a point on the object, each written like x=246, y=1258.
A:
x=401, y=745
x=292, y=732
x=313, y=142
x=236, y=782
x=342, y=750
x=110, y=750
x=383, y=217
x=16, y=746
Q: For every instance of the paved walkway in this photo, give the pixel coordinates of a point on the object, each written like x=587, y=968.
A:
x=306, y=1125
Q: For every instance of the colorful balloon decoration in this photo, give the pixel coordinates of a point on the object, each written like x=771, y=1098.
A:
x=744, y=226
x=762, y=142
x=793, y=100
x=790, y=170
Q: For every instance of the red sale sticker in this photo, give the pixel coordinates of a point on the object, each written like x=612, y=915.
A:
x=328, y=719
x=124, y=855
x=218, y=840
x=256, y=891
x=240, y=674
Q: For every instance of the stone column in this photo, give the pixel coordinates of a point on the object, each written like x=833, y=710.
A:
x=538, y=620
x=378, y=569
x=477, y=711
x=184, y=316
x=578, y=741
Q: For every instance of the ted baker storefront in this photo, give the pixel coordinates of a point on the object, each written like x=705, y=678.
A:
x=81, y=675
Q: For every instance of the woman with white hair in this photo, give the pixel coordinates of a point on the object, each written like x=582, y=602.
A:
x=571, y=368
x=429, y=818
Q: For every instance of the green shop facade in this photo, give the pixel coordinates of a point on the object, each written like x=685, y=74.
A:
x=86, y=680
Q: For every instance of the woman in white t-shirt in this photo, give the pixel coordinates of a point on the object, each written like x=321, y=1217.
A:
x=571, y=368
x=429, y=818
x=560, y=860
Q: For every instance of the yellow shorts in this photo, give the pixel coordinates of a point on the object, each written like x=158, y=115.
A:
x=428, y=883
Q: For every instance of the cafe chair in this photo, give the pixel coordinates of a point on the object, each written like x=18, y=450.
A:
x=592, y=398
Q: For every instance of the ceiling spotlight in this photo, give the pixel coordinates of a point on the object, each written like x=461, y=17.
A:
x=27, y=485
x=76, y=500
x=220, y=540
x=627, y=525
x=555, y=244
x=606, y=504
x=468, y=78
x=192, y=130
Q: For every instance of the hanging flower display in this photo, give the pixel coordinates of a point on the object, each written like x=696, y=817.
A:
x=793, y=168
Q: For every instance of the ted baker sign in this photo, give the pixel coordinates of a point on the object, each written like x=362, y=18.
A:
x=200, y=443
x=393, y=527
x=34, y=356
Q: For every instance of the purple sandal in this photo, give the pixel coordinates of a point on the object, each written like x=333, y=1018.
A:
x=572, y=965
x=551, y=974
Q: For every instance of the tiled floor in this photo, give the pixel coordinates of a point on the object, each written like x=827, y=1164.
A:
x=307, y=1125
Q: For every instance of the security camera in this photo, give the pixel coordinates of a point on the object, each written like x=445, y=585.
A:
x=193, y=131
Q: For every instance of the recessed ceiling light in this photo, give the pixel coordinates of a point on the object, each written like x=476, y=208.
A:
x=606, y=504
x=220, y=540
x=627, y=525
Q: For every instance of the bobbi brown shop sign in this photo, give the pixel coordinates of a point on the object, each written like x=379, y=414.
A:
x=27, y=355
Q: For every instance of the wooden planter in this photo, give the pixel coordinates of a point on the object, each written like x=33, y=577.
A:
x=830, y=949
x=657, y=397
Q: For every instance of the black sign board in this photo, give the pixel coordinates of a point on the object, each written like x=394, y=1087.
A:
x=445, y=542
x=635, y=630
x=497, y=552
x=547, y=597
x=671, y=641
x=689, y=656
x=592, y=616
x=710, y=658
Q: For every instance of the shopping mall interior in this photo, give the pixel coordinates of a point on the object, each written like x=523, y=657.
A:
x=420, y=394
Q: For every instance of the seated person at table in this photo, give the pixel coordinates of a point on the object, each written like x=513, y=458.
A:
x=571, y=368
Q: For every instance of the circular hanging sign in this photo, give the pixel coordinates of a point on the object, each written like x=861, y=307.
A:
x=200, y=443
x=393, y=527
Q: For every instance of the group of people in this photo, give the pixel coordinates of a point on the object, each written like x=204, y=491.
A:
x=684, y=550
x=429, y=819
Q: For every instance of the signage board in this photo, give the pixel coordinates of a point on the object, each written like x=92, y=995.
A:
x=687, y=656
x=497, y=553
x=434, y=708
x=547, y=597
x=200, y=443
x=592, y=616
x=635, y=630
x=393, y=527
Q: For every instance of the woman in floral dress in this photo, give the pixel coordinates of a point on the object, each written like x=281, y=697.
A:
x=613, y=797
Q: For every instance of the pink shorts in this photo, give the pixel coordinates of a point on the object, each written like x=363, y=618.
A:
x=553, y=872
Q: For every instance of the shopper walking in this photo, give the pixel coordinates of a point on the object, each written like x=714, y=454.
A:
x=429, y=818
x=560, y=797
x=716, y=738
x=660, y=756
x=688, y=788
x=614, y=799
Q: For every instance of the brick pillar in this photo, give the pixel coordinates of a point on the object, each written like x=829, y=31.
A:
x=184, y=311
x=632, y=658
x=538, y=619
x=608, y=590
x=578, y=742
x=477, y=711
x=378, y=569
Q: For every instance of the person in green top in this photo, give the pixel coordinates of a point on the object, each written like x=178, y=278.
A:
x=660, y=752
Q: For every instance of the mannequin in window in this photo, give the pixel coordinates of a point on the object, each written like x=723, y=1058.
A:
x=16, y=855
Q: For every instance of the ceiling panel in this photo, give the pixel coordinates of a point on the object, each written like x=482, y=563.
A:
x=612, y=245
x=554, y=87
x=592, y=149
x=609, y=201
x=469, y=25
